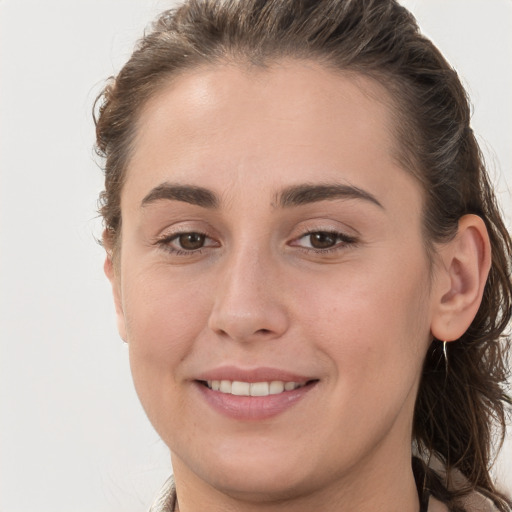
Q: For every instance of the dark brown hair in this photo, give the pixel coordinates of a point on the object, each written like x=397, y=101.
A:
x=461, y=408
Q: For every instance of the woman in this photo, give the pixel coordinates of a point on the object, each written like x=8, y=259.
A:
x=307, y=260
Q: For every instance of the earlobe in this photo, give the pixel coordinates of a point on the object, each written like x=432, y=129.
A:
x=466, y=261
x=110, y=272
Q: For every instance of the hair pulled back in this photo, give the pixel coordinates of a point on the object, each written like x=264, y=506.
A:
x=462, y=406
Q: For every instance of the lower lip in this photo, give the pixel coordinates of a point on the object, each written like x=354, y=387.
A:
x=253, y=408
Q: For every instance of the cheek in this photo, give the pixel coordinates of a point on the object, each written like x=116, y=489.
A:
x=373, y=328
x=370, y=320
x=163, y=318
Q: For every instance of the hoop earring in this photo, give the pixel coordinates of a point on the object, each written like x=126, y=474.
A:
x=445, y=357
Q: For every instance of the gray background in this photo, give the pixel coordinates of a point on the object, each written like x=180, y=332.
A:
x=72, y=433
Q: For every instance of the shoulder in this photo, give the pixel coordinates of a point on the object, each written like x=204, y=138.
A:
x=476, y=502
x=455, y=483
x=166, y=498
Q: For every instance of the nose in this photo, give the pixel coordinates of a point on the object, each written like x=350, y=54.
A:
x=249, y=303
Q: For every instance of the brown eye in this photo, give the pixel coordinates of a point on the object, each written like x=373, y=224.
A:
x=191, y=241
x=322, y=240
x=187, y=243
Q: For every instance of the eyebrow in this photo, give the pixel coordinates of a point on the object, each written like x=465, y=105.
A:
x=311, y=193
x=295, y=195
x=198, y=196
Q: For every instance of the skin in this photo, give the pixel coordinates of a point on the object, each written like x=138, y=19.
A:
x=357, y=317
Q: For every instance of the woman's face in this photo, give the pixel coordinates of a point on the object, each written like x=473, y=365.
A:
x=270, y=238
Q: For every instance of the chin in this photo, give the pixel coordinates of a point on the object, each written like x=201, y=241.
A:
x=262, y=484
x=255, y=475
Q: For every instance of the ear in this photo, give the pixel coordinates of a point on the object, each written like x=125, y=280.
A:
x=113, y=277
x=466, y=261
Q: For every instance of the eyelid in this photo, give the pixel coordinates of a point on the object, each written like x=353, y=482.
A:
x=183, y=226
x=342, y=241
x=165, y=240
x=175, y=236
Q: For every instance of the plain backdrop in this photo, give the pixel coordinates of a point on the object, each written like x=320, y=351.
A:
x=72, y=433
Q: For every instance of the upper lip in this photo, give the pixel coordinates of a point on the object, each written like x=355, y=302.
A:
x=261, y=374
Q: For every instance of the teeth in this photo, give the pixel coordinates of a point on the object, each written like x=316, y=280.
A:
x=276, y=387
x=225, y=386
x=239, y=388
x=260, y=389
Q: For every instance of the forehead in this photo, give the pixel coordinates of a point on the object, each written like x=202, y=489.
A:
x=287, y=93
x=294, y=121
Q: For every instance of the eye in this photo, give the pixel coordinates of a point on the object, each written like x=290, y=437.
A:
x=190, y=241
x=323, y=240
x=186, y=242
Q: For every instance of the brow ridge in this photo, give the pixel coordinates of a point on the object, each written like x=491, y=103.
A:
x=311, y=193
x=295, y=195
x=191, y=194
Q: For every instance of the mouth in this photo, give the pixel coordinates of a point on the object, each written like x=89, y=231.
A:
x=252, y=394
x=253, y=389
x=253, y=401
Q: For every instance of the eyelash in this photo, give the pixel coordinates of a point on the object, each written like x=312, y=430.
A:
x=342, y=241
x=165, y=243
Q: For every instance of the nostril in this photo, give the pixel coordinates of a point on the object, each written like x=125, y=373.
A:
x=245, y=322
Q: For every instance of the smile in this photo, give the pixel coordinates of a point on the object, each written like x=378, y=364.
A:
x=239, y=388
x=253, y=396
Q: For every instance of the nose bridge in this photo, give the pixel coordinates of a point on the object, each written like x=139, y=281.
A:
x=248, y=262
x=247, y=300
